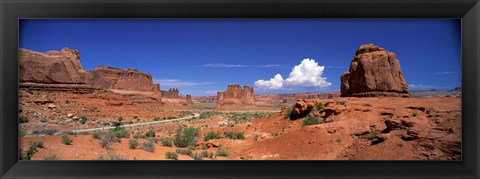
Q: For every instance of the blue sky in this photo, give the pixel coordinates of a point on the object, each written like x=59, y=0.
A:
x=202, y=56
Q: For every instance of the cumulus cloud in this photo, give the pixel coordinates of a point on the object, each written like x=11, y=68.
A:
x=307, y=73
x=274, y=83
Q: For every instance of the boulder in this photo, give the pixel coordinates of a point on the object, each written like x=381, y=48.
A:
x=373, y=72
x=301, y=109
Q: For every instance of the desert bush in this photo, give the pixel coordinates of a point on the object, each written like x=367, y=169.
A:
x=51, y=157
x=156, y=119
x=371, y=135
x=171, y=155
x=150, y=133
x=66, y=140
x=38, y=143
x=138, y=134
x=132, y=143
x=205, y=154
x=234, y=135
x=186, y=151
x=208, y=114
x=105, y=141
x=288, y=113
x=47, y=132
x=343, y=102
x=414, y=114
x=166, y=141
x=120, y=118
x=97, y=134
x=121, y=132
x=148, y=146
x=67, y=102
x=255, y=138
x=339, y=140
x=23, y=120
x=310, y=120
x=30, y=151
x=196, y=156
x=153, y=139
x=83, y=119
x=319, y=105
x=212, y=135
x=221, y=151
x=186, y=136
x=203, y=147
x=112, y=157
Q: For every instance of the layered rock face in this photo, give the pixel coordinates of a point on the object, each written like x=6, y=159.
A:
x=189, y=99
x=171, y=93
x=113, y=78
x=373, y=72
x=64, y=67
x=235, y=95
x=53, y=67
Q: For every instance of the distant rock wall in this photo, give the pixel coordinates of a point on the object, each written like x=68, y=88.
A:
x=115, y=78
x=235, y=95
x=171, y=93
x=189, y=99
x=64, y=67
x=52, y=67
x=373, y=72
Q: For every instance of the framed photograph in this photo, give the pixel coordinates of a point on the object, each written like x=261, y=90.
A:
x=239, y=89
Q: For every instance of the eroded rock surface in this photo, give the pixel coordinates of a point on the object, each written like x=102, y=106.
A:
x=235, y=95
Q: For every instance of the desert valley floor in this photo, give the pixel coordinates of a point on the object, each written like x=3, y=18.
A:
x=348, y=128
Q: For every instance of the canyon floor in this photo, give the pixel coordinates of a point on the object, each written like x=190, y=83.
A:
x=380, y=128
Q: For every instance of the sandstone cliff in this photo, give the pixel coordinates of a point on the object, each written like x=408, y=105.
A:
x=53, y=67
x=374, y=72
x=115, y=78
x=171, y=93
x=235, y=95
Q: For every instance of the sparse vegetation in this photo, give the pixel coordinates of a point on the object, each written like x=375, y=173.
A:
x=51, y=157
x=112, y=157
x=234, y=135
x=212, y=135
x=414, y=114
x=196, y=156
x=343, y=102
x=38, y=143
x=132, y=143
x=150, y=133
x=31, y=150
x=166, y=141
x=319, y=105
x=186, y=136
x=204, y=154
x=23, y=120
x=148, y=146
x=255, y=138
x=138, y=134
x=310, y=120
x=208, y=114
x=221, y=151
x=156, y=119
x=83, y=119
x=67, y=101
x=339, y=140
x=121, y=132
x=97, y=134
x=47, y=132
x=288, y=113
x=186, y=151
x=372, y=135
x=171, y=155
x=153, y=139
x=120, y=119
x=203, y=147
x=66, y=140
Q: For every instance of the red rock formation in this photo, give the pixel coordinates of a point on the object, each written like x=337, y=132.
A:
x=115, y=78
x=171, y=93
x=235, y=95
x=189, y=99
x=374, y=72
x=53, y=67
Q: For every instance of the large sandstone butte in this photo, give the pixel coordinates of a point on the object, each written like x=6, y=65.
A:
x=373, y=72
x=235, y=95
x=171, y=93
x=114, y=78
x=52, y=67
x=64, y=67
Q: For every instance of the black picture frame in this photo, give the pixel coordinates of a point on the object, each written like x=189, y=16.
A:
x=11, y=11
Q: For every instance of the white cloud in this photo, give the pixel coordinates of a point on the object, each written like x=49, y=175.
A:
x=211, y=91
x=414, y=86
x=178, y=83
x=307, y=73
x=446, y=72
x=274, y=83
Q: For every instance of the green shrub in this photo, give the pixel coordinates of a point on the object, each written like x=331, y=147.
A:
x=156, y=119
x=255, y=138
x=83, y=119
x=23, y=120
x=66, y=140
x=38, y=143
x=105, y=142
x=310, y=120
x=171, y=155
x=67, y=102
x=414, y=114
x=205, y=154
x=148, y=146
x=371, y=135
x=47, y=132
x=196, y=156
x=343, y=102
x=210, y=155
x=132, y=143
x=97, y=134
x=138, y=134
x=153, y=139
x=166, y=141
x=30, y=151
x=121, y=132
x=51, y=157
x=212, y=135
x=319, y=105
x=120, y=119
x=150, y=133
x=186, y=151
x=234, y=135
x=112, y=157
x=288, y=113
x=221, y=151
x=204, y=147
x=339, y=140
x=186, y=136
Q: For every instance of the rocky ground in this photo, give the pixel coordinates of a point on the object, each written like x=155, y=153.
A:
x=382, y=128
